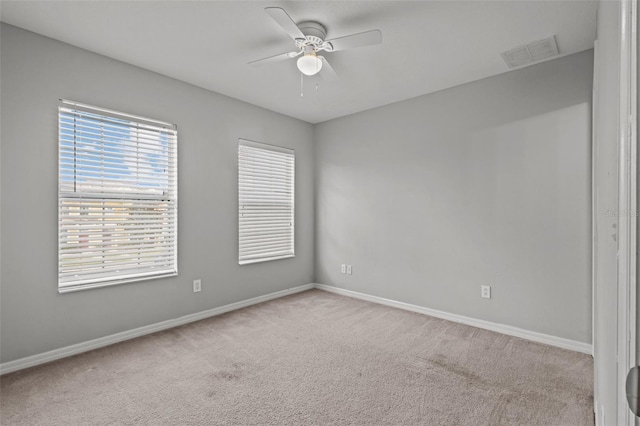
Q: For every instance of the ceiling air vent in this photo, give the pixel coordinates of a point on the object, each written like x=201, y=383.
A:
x=531, y=52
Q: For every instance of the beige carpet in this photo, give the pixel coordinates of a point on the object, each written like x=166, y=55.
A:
x=314, y=358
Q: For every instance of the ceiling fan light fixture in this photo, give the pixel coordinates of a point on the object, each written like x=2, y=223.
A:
x=309, y=64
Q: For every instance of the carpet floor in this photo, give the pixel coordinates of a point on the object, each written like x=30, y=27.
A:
x=313, y=358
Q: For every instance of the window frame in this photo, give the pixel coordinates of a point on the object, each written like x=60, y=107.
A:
x=168, y=228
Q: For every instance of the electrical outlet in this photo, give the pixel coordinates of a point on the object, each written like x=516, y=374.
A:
x=197, y=285
x=349, y=270
x=485, y=291
x=343, y=268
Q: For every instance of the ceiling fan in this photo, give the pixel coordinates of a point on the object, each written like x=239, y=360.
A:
x=310, y=39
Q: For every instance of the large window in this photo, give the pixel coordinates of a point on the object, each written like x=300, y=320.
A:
x=266, y=207
x=117, y=219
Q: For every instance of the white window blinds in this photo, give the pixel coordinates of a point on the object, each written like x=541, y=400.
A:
x=117, y=219
x=266, y=202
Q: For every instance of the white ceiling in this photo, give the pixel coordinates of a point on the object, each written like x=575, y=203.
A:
x=427, y=45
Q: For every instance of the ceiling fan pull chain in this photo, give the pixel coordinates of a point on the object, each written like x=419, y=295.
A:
x=301, y=85
x=316, y=86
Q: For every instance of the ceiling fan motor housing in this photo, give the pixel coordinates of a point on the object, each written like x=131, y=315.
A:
x=314, y=32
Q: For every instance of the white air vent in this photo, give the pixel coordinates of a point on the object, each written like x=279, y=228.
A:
x=531, y=52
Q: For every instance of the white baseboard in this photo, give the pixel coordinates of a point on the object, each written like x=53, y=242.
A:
x=78, y=348
x=547, y=339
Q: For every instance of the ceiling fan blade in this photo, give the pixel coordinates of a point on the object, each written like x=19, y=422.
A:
x=352, y=41
x=327, y=69
x=284, y=20
x=275, y=58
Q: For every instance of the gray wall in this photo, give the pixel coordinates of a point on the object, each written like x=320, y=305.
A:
x=36, y=72
x=484, y=183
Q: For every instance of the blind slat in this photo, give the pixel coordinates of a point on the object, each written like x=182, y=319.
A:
x=137, y=254
x=87, y=144
x=89, y=162
x=257, y=233
x=272, y=246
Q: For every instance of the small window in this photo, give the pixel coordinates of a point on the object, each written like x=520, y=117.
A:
x=117, y=217
x=266, y=203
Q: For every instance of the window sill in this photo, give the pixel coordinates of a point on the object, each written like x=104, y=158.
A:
x=267, y=259
x=89, y=286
